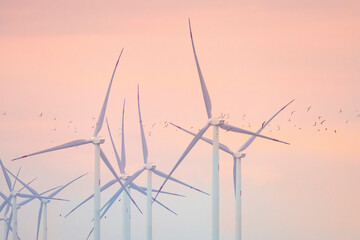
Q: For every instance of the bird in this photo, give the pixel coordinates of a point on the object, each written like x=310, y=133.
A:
x=262, y=125
x=314, y=124
x=308, y=108
x=54, y=118
x=40, y=114
x=335, y=131
x=322, y=121
x=347, y=121
x=340, y=110
x=292, y=112
x=319, y=117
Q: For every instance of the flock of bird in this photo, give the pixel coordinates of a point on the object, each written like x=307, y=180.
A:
x=318, y=124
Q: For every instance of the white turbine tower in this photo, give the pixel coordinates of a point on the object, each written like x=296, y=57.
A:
x=98, y=153
x=151, y=168
x=216, y=123
x=43, y=209
x=238, y=155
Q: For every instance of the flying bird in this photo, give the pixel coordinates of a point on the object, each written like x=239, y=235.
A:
x=262, y=125
x=292, y=112
x=308, y=108
x=322, y=121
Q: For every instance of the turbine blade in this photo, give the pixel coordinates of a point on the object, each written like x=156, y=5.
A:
x=106, y=186
x=62, y=146
x=202, y=82
x=123, y=155
x=103, y=109
x=27, y=184
x=107, y=163
x=9, y=226
x=39, y=221
x=3, y=196
x=111, y=201
x=163, y=192
x=191, y=145
x=8, y=206
x=17, y=175
x=8, y=181
x=231, y=128
x=23, y=195
x=221, y=146
x=24, y=184
x=164, y=175
x=7, y=201
x=251, y=139
x=30, y=199
x=92, y=229
x=134, y=186
x=115, y=151
x=143, y=139
x=60, y=189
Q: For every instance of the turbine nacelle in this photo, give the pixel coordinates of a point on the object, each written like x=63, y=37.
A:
x=45, y=201
x=97, y=140
x=124, y=177
x=239, y=155
x=150, y=166
x=214, y=121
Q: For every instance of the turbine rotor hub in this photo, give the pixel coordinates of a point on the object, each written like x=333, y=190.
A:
x=239, y=155
x=150, y=166
x=124, y=177
x=97, y=140
x=214, y=121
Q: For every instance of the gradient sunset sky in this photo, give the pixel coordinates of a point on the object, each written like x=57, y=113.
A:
x=57, y=57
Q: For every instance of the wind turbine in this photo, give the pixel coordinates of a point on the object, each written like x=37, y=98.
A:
x=215, y=122
x=43, y=209
x=238, y=155
x=98, y=153
x=13, y=198
x=151, y=168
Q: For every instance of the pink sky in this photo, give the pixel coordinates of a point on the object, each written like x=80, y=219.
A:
x=57, y=58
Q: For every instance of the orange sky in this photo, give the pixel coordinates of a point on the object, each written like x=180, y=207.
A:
x=57, y=58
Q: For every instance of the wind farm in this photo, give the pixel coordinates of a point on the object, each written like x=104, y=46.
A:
x=243, y=124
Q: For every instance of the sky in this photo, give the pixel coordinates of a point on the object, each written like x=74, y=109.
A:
x=57, y=58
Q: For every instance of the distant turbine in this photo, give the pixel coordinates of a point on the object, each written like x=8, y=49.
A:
x=12, y=199
x=43, y=209
x=237, y=168
x=216, y=123
x=98, y=153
